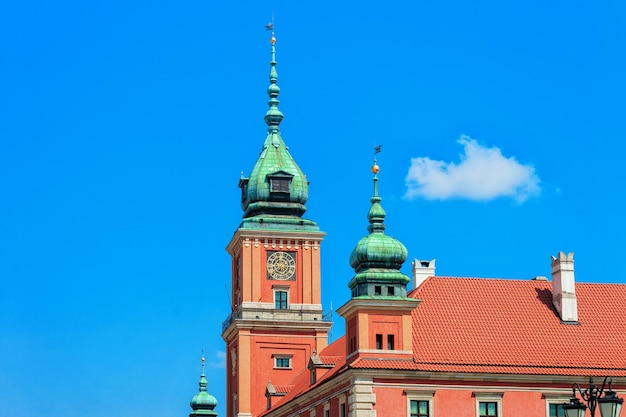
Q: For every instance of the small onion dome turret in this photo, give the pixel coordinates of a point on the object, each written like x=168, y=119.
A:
x=203, y=403
x=377, y=258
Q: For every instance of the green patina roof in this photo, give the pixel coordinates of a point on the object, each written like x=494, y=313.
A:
x=377, y=258
x=275, y=193
x=203, y=403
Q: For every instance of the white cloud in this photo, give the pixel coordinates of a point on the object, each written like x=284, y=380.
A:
x=219, y=360
x=482, y=174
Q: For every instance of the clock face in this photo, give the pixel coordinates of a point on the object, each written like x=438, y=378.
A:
x=281, y=265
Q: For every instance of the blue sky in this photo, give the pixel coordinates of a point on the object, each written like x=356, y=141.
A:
x=124, y=127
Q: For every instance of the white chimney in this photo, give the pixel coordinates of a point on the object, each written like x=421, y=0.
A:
x=422, y=270
x=563, y=288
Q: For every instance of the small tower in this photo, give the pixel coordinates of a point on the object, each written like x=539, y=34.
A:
x=378, y=316
x=276, y=319
x=203, y=403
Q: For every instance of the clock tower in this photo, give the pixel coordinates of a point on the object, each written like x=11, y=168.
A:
x=276, y=319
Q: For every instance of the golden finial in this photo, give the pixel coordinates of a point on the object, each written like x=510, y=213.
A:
x=273, y=39
x=375, y=167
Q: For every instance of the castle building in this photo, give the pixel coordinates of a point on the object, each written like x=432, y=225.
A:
x=420, y=346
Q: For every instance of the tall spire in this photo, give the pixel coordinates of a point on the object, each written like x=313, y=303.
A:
x=275, y=193
x=274, y=116
x=203, y=403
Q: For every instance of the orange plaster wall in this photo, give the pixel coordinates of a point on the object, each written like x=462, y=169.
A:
x=261, y=362
x=362, y=340
x=530, y=404
x=406, y=342
x=316, y=278
x=385, y=325
x=305, y=281
x=246, y=273
x=454, y=403
x=390, y=402
x=462, y=403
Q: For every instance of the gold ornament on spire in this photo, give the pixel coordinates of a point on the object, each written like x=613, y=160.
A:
x=375, y=167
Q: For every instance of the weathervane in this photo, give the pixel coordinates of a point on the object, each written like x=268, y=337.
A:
x=375, y=167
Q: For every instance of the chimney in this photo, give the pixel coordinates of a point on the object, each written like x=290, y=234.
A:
x=422, y=270
x=563, y=289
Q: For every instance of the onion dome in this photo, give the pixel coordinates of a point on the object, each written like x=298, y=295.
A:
x=377, y=258
x=275, y=193
x=203, y=403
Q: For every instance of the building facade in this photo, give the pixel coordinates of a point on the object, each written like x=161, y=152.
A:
x=441, y=346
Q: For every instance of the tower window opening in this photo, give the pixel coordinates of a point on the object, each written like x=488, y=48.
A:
x=379, y=341
x=390, y=342
x=279, y=185
x=352, y=344
x=378, y=290
x=391, y=291
x=280, y=299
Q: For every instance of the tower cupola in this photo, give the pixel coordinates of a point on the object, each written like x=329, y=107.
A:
x=377, y=258
x=203, y=403
x=275, y=193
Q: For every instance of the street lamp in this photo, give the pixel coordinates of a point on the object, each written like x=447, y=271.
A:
x=610, y=404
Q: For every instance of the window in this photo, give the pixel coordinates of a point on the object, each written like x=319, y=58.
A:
x=378, y=290
x=280, y=299
x=487, y=409
x=419, y=403
x=555, y=403
x=282, y=361
x=379, y=341
x=342, y=409
x=488, y=404
x=280, y=184
x=390, y=340
x=419, y=408
x=327, y=410
x=556, y=410
x=391, y=291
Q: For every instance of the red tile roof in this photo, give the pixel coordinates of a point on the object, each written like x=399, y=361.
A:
x=395, y=364
x=283, y=389
x=511, y=326
x=503, y=326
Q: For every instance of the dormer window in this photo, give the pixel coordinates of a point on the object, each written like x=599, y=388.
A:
x=280, y=185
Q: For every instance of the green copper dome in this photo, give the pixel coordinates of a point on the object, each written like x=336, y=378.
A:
x=377, y=258
x=275, y=193
x=203, y=403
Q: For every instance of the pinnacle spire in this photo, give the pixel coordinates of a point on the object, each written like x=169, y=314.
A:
x=203, y=403
x=376, y=214
x=274, y=116
x=275, y=193
x=203, y=382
